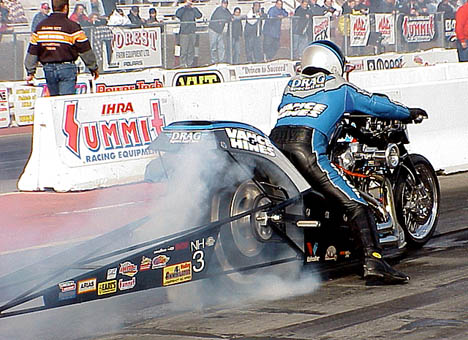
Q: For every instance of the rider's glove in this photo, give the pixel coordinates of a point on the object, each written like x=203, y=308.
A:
x=417, y=115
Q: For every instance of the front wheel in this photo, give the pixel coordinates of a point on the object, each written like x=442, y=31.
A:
x=417, y=205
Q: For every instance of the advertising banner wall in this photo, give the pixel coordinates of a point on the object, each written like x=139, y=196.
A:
x=25, y=98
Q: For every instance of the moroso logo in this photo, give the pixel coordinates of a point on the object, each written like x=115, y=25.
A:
x=139, y=85
x=109, y=135
x=198, y=78
x=418, y=29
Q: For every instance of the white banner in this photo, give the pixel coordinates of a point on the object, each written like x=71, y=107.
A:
x=385, y=25
x=133, y=48
x=24, y=99
x=108, y=129
x=321, y=28
x=360, y=30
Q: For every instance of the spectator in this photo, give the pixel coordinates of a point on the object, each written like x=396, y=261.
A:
x=272, y=29
x=217, y=29
x=59, y=63
x=118, y=18
x=330, y=8
x=187, y=15
x=314, y=8
x=300, y=27
x=94, y=6
x=461, y=30
x=3, y=25
x=15, y=12
x=96, y=20
x=237, y=31
x=109, y=6
x=253, y=34
x=134, y=16
x=362, y=7
x=41, y=15
x=152, y=19
x=388, y=6
x=422, y=7
x=79, y=15
x=446, y=7
x=4, y=11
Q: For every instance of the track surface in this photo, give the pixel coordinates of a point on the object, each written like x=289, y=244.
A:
x=432, y=306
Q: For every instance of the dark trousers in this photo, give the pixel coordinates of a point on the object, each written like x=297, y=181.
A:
x=60, y=78
x=462, y=52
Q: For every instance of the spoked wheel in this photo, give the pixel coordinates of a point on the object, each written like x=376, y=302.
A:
x=247, y=241
x=418, y=205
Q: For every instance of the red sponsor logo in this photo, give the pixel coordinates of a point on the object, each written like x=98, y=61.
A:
x=124, y=285
x=139, y=85
x=145, y=263
x=181, y=245
x=113, y=134
x=360, y=27
x=384, y=26
x=418, y=29
x=160, y=261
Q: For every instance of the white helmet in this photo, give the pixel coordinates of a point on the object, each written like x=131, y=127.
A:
x=323, y=55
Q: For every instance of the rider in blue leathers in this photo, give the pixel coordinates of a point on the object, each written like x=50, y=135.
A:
x=313, y=104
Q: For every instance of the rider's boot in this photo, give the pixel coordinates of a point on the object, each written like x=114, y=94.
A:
x=375, y=267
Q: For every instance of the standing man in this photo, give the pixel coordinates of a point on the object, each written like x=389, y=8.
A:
x=217, y=29
x=301, y=25
x=237, y=32
x=461, y=30
x=41, y=15
x=187, y=16
x=58, y=52
x=253, y=34
x=272, y=29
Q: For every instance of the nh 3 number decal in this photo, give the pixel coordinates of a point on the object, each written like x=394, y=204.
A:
x=198, y=257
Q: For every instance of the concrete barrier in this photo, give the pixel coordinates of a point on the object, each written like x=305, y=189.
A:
x=90, y=141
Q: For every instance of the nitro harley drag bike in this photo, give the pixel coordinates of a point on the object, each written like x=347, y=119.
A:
x=258, y=211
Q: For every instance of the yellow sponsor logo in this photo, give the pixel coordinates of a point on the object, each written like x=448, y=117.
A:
x=376, y=255
x=177, y=273
x=107, y=287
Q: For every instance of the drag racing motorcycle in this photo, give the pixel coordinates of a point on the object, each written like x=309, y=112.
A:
x=258, y=211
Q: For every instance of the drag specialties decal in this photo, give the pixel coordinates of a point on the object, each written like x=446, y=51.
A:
x=67, y=290
x=123, y=131
x=302, y=109
x=125, y=285
x=107, y=287
x=249, y=141
x=145, y=263
x=187, y=79
x=185, y=137
x=111, y=273
x=128, y=268
x=308, y=83
x=87, y=285
x=138, y=85
x=177, y=273
x=159, y=261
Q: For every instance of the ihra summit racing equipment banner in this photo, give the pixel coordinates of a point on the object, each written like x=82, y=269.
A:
x=105, y=129
x=133, y=48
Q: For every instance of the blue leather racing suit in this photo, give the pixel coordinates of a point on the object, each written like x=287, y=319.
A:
x=310, y=110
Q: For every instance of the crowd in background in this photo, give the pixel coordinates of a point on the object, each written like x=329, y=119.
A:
x=259, y=28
